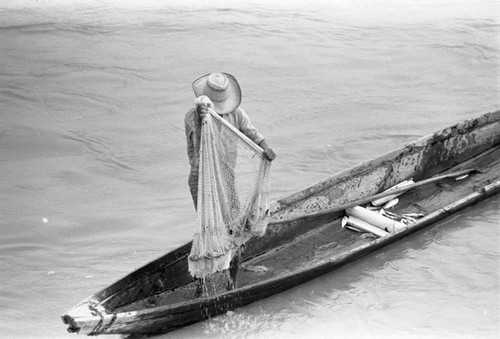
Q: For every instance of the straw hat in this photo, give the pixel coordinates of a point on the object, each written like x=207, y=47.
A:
x=222, y=89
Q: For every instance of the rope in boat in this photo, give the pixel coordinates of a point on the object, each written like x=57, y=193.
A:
x=99, y=328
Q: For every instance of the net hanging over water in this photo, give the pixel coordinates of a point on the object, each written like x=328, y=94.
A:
x=233, y=196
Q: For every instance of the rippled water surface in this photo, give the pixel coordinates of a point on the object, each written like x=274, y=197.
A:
x=93, y=167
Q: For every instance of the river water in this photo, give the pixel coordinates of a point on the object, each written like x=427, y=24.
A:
x=93, y=166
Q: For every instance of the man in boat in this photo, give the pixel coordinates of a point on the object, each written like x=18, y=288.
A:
x=225, y=93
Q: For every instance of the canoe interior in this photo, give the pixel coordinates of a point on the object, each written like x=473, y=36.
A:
x=423, y=158
x=313, y=247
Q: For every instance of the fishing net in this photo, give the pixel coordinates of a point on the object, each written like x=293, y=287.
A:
x=233, y=196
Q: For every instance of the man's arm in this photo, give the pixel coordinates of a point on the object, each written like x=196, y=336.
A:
x=191, y=138
x=251, y=132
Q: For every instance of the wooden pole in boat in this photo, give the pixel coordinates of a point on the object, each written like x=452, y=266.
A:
x=376, y=196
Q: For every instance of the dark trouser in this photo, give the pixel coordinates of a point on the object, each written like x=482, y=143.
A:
x=193, y=185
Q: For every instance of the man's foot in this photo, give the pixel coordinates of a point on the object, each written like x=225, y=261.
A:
x=199, y=288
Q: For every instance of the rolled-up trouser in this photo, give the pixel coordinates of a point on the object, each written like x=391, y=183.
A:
x=193, y=185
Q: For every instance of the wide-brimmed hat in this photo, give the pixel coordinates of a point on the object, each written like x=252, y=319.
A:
x=222, y=89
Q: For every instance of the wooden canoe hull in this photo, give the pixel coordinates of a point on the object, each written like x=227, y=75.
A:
x=143, y=301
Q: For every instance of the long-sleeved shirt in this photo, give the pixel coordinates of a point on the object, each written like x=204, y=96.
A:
x=238, y=118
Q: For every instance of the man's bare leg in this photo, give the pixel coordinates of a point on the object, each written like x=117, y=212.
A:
x=234, y=268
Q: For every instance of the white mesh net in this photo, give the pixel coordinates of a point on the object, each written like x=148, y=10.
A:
x=233, y=196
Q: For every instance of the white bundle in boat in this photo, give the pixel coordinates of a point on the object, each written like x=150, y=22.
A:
x=375, y=219
x=233, y=196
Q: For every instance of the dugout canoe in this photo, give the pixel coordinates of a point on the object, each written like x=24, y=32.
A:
x=305, y=239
